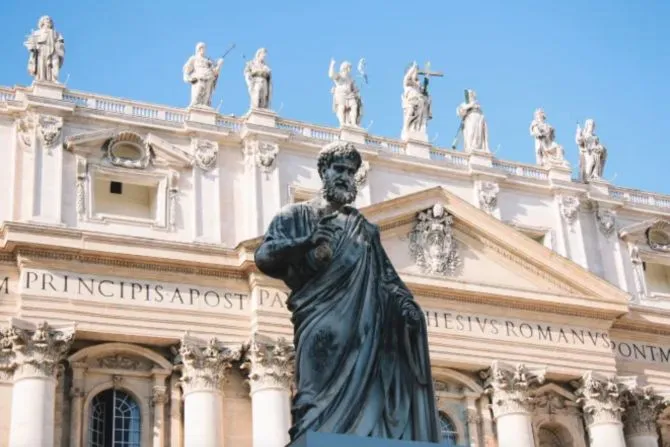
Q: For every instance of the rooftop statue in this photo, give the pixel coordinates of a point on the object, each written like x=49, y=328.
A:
x=347, y=103
x=592, y=154
x=202, y=73
x=473, y=124
x=47, y=51
x=416, y=104
x=258, y=77
x=362, y=361
x=547, y=151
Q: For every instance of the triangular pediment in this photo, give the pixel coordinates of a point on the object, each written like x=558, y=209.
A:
x=163, y=153
x=491, y=258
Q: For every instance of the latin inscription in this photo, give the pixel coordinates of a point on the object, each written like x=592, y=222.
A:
x=117, y=290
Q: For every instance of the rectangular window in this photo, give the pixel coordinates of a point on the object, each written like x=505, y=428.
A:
x=116, y=199
x=116, y=188
x=658, y=280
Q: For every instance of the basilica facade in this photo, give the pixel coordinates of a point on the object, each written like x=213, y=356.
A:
x=132, y=312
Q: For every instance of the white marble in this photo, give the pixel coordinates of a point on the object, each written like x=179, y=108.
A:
x=258, y=77
x=202, y=73
x=547, y=151
x=47, y=51
x=474, y=128
x=347, y=102
x=592, y=153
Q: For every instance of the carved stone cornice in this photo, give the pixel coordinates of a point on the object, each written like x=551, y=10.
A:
x=511, y=389
x=35, y=351
x=270, y=363
x=601, y=399
x=642, y=409
x=205, y=366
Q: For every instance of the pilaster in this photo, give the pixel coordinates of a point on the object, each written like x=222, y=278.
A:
x=206, y=212
x=262, y=186
x=77, y=403
x=261, y=117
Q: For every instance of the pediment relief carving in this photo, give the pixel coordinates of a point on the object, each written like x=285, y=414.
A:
x=653, y=234
x=121, y=361
x=129, y=149
x=432, y=244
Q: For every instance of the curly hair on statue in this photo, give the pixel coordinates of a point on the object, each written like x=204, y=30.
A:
x=338, y=150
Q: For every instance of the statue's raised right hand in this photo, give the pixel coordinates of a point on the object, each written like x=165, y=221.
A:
x=324, y=231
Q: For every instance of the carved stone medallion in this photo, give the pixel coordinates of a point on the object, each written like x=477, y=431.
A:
x=205, y=153
x=569, y=206
x=432, y=243
x=606, y=222
x=25, y=129
x=658, y=236
x=261, y=154
x=128, y=150
x=50, y=130
x=488, y=196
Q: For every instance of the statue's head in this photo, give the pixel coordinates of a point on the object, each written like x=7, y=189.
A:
x=345, y=67
x=590, y=125
x=540, y=115
x=45, y=22
x=472, y=95
x=200, y=49
x=260, y=54
x=338, y=163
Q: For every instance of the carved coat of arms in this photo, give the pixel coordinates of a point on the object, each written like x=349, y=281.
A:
x=432, y=243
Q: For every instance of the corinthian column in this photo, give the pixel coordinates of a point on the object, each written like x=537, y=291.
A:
x=203, y=374
x=642, y=410
x=511, y=401
x=270, y=365
x=32, y=354
x=601, y=403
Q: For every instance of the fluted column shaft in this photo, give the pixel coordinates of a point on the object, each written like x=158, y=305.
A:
x=203, y=374
x=270, y=366
x=31, y=353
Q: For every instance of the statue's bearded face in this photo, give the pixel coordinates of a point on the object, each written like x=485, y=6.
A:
x=339, y=181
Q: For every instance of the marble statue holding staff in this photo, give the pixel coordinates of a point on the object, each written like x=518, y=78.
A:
x=47, y=51
x=347, y=103
x=592, y=154
x=258, y=77
x=362, y=361
x=416, y=103
x=202, y=73
x=475, y=130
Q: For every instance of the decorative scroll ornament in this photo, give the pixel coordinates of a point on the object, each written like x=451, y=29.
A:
x=119, y=361
x=606, y=222
x=270, y=364
x=33, y=353
x=658, y=236
x=25, y=129
x=601, y=400
x=261, y=154
x=511, y=388
x=569, y=206
x=80, y=186
x=50, y=130
x=205, y=368
x=128, y=150
x=361, y=176
x=432, y=244
x=488, y=196
x=643, y=407
x=205, y=154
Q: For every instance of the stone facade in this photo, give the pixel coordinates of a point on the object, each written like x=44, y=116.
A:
x=126, y=270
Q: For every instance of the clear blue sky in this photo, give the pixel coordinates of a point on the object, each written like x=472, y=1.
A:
x=606, y=59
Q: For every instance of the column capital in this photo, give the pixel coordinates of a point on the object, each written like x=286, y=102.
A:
x=205, y=365
x=601, y=398
x=511, y=388
x=643, y=406
x=159, y=395
x=270, y=363
x=33, y=350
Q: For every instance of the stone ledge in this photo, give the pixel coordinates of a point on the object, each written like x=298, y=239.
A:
x=317, y=439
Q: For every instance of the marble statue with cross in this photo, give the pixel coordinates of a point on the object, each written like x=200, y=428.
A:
x=416, y=102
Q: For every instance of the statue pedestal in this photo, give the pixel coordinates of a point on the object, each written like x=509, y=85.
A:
x=317, y=439
x=45, y=89
x=479, y=159
x=414, y=135
x=560, y=173
x=203, y=115
x=353, y=134
x=418, y=148
x=261, y=117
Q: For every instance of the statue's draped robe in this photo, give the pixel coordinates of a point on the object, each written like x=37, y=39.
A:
x=475, y=131
x=360, y=369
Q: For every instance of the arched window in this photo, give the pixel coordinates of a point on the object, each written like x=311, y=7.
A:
x=448, y=429
x=554, y=435
x=114, y=420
